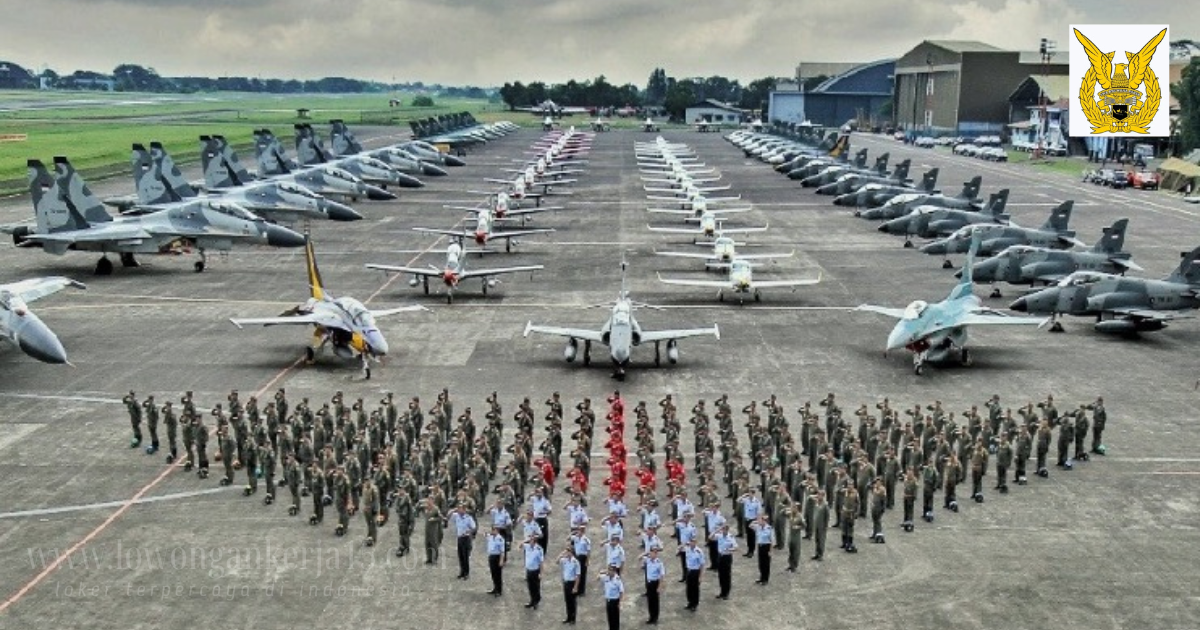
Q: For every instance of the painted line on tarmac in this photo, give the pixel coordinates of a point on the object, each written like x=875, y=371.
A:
x=108, y=504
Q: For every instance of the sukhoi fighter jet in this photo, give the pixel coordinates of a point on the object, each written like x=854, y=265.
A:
x=22, y=327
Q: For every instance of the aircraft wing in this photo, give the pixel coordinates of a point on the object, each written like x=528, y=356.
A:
x=459, y=233
x=687, y=213
x=416, y=271
x=665, y=335
x=992, y=317
x=894, y=313
x=685, y=255
x=128, y=233
x=779, y=284
x=714, y=284
x=519, y=212
x=484, y=273
x=516, y=233
x=574, y=333
x=1145, y=313
x=38, y=288
x=744, y=230
x=674, y=230
x=766, y=256
x=316, y=318
x=399, y=309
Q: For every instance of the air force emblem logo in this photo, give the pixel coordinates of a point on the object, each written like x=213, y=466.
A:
x=1109, y=96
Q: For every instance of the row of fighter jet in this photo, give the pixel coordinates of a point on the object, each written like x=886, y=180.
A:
x=169, y=215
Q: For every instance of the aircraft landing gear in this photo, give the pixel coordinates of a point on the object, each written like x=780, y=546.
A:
x=104, y=267
x=995, y=293
x=946, y=264
x=127, y=260
x=720, y=296
x=918, y=363
x=757, y=296
x=587, y=353
x=310, y=355
x=449, y=296
x=366, y=366
x=1056, y=327
x=657, y=355
x=425, y=279
x=908, y=244
x=619, y=373
x=964, y=357
x=200, y=264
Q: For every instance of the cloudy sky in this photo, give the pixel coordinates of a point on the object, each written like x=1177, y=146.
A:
x=488, y=42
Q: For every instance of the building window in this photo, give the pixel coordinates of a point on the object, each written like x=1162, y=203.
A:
x=929, y=85
x=929, y=118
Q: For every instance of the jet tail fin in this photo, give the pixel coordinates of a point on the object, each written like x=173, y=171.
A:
x=860, y=158
x=928, y=180
x=268, y=154
x=996, y=203
x=881, y=163
x=149, y=187
x=900, y=173
x=342, y=140
x=1113, y=239
x=77, y=194
x=315, y=284
x=965, y=286
x=170, y=174
x=971, y=189
x=1060, y=217
x=1188, y=271
x=306, y=145
x=51, y=209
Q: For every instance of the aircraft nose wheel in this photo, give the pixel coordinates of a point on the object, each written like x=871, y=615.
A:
x=908, y=244
x=918, y=363
x=104, y=267
x=995, y=293
x=965, y=356
x=946, y=264
x=199, y=266
x=1056, y=327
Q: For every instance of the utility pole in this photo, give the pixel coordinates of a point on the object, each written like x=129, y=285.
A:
x=1046, y=49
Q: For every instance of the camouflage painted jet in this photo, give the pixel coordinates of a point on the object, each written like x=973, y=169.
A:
x=708, y=228
x=934, y=221
x=831, y=174
x=903, y=204
x=807, y=166
x=344, y=322
x=310, y=151
x=741, y=282
x=873, y=195
x=485, y=231
x=1120, y=305
x=724, y=251
x=22, y=327
x=344, y=144
x=454, y=271
x=938, y=331
x=850, y=182
x=323, y=179
x=70, y=217
x=1021, y=264
x=1054, y=234
x=621, y=334
x=159, y=184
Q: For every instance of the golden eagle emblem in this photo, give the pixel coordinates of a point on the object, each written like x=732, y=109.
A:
x=1118, y=107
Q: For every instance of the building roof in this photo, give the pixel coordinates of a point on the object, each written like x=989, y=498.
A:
x=962, y=46
x=1034, y=58
x=810, y=69
x=714, y=103
x=829, y=85
x=1054, y=87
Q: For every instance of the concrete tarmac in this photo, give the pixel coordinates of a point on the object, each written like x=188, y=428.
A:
x=94, y=534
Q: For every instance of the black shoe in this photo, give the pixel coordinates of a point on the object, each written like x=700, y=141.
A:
x=758, y=581
x=818, y=558
x=529, y=605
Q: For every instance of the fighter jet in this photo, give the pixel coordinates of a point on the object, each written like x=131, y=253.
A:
x=323, y=179
x=938, y=331
x=1021, y=264
x=454, y=271
x=485, y=231
x=832, y=173
x=741, y=282
x=70, y=217
x=873, y=195
x=850, y=182
x=159, y=184
x=708, y=228
x=723, y=253
x=903, y=204
x=815, y=164
x=621, y=333
x=310, y=151
x=344, y=322
x=344, y=144
x=934, y=221
x=1054, y=234
x=22, y=327
x=1120, y=305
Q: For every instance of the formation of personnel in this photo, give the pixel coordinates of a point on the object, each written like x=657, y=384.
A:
x=437, y=469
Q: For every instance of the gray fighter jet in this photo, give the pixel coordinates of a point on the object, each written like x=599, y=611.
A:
x=938, y=331
x=852, y=181
x=807, y=166
x=22, y=327
x=830, y=174
x=310, y=151
x=873, y=195
x=70, y=217
x=323, y=179
x=903, y=204
x=1021, y=264
x=1120, y=305
x=622, y=333
x=344, y=322
x=1054, y=234
x=935, y=221
x=345, y=144
x=454, y=271
x=159, y=184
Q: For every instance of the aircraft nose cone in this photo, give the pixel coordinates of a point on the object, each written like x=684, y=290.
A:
x=895, y=226
x=432, y=170
x=379, y=345
x=936, y=247
x=339, y=211
x=452, y=160
x=896, y=339
x=279, y=236
x=36, y=340
x=408, y=181
x=1020, y=305
x=375, y=193
x=844, y=200
x=983, y=271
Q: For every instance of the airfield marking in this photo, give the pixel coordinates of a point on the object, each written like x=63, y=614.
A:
x=108, y=504
x=137, y=497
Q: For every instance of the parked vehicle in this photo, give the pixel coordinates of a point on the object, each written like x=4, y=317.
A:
x=1113, y=178
x=1146, y=180
x=925, y=142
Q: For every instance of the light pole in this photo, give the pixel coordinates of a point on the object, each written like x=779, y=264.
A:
x=1046, y=49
